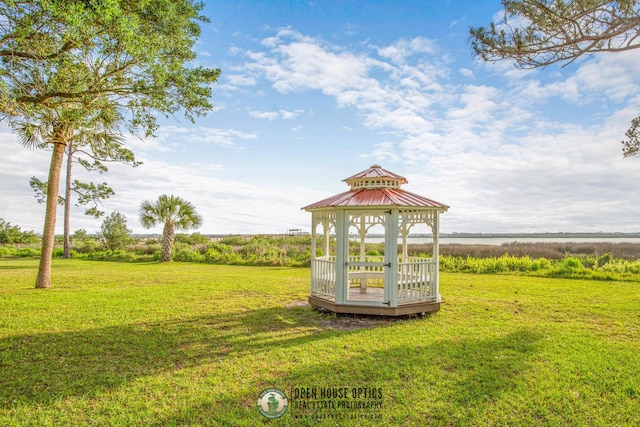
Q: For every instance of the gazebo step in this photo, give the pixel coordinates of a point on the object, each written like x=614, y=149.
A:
x=405, y=309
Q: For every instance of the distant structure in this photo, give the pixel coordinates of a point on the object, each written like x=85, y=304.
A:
x=389, y=284
x=294, y=232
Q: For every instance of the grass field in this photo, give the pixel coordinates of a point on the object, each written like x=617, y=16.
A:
x=194, y=344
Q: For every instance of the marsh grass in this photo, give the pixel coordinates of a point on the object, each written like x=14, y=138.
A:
x=598, y=260
x=548, y=250
x=195, y=344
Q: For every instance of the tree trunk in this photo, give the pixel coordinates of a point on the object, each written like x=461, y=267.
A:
x=67, y=203
x=48, y=233
x=168, y=236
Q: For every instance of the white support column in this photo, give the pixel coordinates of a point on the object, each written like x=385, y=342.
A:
x=342, y=256
x=362, y=230
x=435, y=229
x=391, y=258
x=314, y=225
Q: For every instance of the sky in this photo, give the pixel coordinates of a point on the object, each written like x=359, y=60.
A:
x=312, y=92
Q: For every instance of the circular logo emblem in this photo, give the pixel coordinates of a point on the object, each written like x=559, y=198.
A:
x=272, y=403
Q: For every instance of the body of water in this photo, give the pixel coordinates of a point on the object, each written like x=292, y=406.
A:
x=497, y=241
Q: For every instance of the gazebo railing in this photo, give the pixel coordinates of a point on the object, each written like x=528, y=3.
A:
x=415, y=279
x=324, y=276
x=415, y=276
x=368, y=258
x=367, y=273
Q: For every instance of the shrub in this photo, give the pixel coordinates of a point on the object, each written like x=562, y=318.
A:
x=88, y=246
x=217, y=253
x=192, y=239
x=260, y=251
x=119, y=255
x=571, y=263
x=604, y=259
x=28, y=253
x=187, y=255
x=13, y=234
x=8, y=251
x=234, y=241
x=541, y=264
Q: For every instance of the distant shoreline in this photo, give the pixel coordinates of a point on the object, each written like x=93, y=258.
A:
x=560, y=235
x=614, y=235
x=536, y=235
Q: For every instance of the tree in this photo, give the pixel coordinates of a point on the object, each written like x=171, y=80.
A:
x=60, y=127
x=86, y=193
x=12, y=234
x=80, y=235
x=67, y=66
x=538, y=33
x=114, y=231
x=108, y=148
x=175, y=213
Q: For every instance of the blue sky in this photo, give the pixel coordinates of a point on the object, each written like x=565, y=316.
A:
x=313, y=92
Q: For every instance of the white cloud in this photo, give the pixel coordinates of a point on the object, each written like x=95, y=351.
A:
x=273, y=115
x=241, y=80
x=298, y=63
x=288, y=115
x=269, y=115
x=170, y=138
x=400, y=51
x=613, y=76
x=227, y=206
x=494, y=150
x=466, y=72
x=483, y=148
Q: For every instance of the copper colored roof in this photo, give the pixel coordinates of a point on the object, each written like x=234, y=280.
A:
x=376, y=197
x=376, y=187
x=376, y=171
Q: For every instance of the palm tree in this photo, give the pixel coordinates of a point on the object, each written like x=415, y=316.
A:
x=100, y=141
x=175, y=213
x=57, y=127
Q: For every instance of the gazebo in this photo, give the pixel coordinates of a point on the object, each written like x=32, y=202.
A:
x=393, y=284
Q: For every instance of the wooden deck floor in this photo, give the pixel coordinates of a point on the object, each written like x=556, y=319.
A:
x=376, y=294
x=373, y=295
x=369, y=294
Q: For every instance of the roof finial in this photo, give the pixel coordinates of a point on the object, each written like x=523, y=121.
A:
x=375, y=166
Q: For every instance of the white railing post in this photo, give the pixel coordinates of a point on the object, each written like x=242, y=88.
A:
x=435, y=229
x=391, y=257
x=342, y=257
x=314, y=273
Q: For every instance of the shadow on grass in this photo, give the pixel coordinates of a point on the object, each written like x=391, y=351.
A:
x=17, y=267
x=37, y=369
x=443, y=383
x=431, y=382
x=439, y=382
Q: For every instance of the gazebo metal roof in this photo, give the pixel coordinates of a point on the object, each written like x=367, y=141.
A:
x=376, y=171
x=376, y=187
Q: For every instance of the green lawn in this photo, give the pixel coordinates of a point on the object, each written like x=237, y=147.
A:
x=195, y=344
